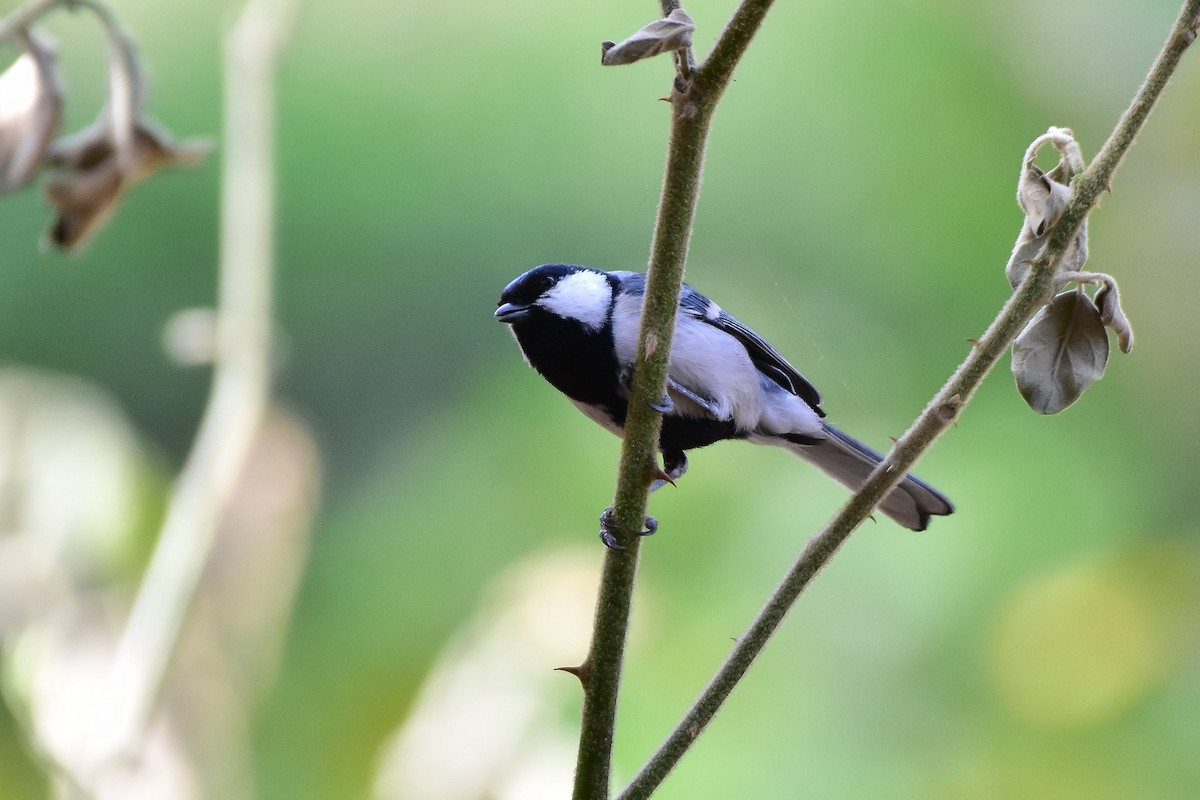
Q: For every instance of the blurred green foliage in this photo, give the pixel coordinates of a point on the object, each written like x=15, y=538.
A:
x=857, y=210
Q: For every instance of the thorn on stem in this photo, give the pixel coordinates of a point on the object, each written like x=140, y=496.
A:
x=657, y=474
x=580, y=672
x=974, y=342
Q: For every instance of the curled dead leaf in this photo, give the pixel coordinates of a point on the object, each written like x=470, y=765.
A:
x=93, y=168
x=1062, y=351
x=674, y=32
x=93, y=177
x=1042, y=199
x=1043, y=196
x=31, y=102
x=1108, y=300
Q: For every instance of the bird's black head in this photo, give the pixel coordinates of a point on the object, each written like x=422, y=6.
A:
x=560, y=316
x=572, y=293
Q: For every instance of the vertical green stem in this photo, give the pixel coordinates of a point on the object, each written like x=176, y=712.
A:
x=602, y=670
x=240, y=388
x=692, y=102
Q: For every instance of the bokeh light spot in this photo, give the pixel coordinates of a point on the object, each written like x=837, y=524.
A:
x=1076, y=648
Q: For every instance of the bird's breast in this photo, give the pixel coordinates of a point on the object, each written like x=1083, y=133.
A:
x=579, y=364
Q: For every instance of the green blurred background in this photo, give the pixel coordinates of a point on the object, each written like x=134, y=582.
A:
x=857, y=209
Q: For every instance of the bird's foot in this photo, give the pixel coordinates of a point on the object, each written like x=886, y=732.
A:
x=664, y=406
x=608, y=523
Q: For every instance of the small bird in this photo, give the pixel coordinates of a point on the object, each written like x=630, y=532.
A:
x=579, y=328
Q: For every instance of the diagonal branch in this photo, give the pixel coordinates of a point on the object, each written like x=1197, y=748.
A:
x=941, y=412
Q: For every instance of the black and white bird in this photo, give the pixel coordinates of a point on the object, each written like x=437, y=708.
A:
x=579, y=328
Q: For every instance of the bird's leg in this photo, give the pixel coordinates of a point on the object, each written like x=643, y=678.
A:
x=608, y=523
x=674, y=465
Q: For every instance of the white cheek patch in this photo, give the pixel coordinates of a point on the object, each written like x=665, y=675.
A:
x=583, y=296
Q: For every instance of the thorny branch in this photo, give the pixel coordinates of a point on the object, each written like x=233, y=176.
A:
x=1034, y=292
x=693, y=101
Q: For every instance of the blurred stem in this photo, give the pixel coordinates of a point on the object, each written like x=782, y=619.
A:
x=25, y=16
x=941, y=412
x=693, y=101
x=32, y=11
x=126, y=91
x=239, y=389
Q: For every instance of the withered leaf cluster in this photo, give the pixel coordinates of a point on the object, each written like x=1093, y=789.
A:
x=1064, y=348
x=1043, y=197
x=88, y=172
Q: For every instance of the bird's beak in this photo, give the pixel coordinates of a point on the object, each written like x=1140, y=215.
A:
x=509, y=313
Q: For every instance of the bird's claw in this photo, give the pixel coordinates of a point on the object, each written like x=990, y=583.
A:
x=664, y=406
x=608, y=523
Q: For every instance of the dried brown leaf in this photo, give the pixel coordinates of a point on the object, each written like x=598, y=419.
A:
x=1043, y=197
x=95, y=178
x=661, y=36
x=31, y=102
x=1062, y=351
x=1108, y=300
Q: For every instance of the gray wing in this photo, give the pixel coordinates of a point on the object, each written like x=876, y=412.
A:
x=765, y=358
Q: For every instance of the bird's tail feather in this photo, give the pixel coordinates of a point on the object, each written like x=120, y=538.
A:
x=849, y=462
